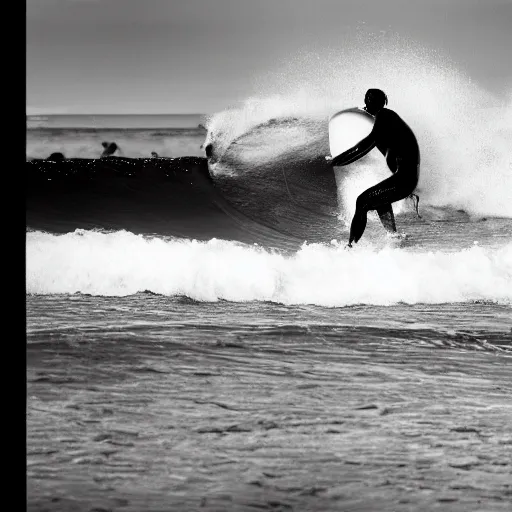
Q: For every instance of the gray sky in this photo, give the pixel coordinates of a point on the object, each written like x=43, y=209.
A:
x=201, y=56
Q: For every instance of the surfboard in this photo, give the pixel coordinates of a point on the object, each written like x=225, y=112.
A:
x=347, y=128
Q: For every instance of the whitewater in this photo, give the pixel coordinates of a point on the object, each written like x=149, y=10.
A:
x=122, y=263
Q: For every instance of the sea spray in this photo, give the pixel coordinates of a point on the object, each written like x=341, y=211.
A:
x=464, y=138
x=121, y=263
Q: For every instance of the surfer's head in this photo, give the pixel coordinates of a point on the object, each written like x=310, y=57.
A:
x=375, y=100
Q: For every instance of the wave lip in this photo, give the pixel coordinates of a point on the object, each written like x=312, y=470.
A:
x=121, y=263
x=464, y=132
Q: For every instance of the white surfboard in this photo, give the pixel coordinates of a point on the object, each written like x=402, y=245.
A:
x=347, y=128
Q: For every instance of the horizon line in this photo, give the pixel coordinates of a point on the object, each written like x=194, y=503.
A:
x=118, y=114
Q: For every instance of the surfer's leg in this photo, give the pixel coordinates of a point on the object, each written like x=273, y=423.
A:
x=358, y=224
x=378, y=197
x=387, y=217
x=415, y=198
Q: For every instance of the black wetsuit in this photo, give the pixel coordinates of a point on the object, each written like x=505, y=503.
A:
x=396, y=141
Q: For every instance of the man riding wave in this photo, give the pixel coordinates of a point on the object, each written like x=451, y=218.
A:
x=397, y=142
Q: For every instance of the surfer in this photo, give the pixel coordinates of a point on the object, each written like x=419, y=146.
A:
x=397, y=142
x=109, y=149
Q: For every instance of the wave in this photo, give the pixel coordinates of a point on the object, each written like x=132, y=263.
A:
x=464, y=132
x=122, y=263
x=260, y=219
x=179, y=197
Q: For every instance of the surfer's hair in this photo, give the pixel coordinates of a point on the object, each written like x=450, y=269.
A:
x=376, y=97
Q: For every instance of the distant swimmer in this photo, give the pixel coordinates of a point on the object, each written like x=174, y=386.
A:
x=109, y=149
x=397, y=142
x=54, y=157
x=154, y=154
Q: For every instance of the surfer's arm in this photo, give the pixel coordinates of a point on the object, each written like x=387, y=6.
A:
x=358, y=151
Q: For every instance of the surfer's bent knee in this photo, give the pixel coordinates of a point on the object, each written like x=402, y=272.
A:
x=361, y=201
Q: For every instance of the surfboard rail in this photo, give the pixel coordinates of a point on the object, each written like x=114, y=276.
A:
x=347, y=127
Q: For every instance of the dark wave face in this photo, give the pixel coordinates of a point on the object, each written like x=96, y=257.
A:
x=275, y=206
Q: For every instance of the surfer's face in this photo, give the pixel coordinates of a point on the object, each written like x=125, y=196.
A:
x=372, y=108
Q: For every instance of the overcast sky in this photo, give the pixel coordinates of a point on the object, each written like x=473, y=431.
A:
x=201, y=56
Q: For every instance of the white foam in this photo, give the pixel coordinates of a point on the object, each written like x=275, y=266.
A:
x=121, y=263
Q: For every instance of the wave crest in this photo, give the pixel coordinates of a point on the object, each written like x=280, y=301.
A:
x=464, y=132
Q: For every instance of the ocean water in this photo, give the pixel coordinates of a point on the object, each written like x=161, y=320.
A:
x=199, y=338
x=80, y=136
